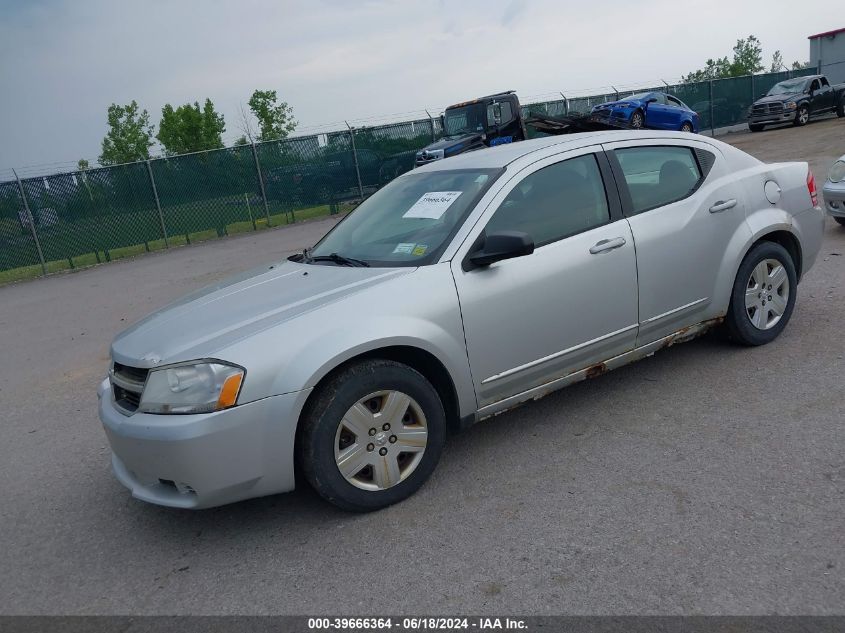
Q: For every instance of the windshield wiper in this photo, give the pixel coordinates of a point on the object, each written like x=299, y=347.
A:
x=339, y=260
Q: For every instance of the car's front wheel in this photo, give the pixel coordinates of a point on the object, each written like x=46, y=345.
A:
x=372, y=435
x=802, y=116
x=754, y=127
x=686, y=127
x=637, y=120
x=839, y=220
x=763, y=295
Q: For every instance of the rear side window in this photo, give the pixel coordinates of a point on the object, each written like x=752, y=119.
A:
x=555, y=202
x=658, y=175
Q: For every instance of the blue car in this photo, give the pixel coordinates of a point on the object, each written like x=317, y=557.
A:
x=653, y=110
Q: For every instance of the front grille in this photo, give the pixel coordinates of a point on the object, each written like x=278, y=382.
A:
x=767, y=108
x=127, y=385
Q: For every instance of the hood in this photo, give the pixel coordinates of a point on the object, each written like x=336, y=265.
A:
x=200, y=324
x=452, y=144
x=792, y=96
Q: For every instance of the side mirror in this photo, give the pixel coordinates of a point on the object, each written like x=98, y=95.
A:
x=502, y=245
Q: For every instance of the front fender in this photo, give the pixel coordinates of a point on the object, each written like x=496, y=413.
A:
x=419, y=309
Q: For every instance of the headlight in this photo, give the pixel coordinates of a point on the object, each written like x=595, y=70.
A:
x=790, y=105
x=624, y=105
x=837, y=172
x=200, y=387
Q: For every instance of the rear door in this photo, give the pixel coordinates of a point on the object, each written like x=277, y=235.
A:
x=571, y=303
x=683, y=208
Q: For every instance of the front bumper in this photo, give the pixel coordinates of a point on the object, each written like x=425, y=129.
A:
x=834, y=198
x=206, y=460
x=788, y=116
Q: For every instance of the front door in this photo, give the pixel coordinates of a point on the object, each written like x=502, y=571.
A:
x=571, y=303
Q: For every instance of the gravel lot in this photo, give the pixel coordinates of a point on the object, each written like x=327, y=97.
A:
x=708, y=479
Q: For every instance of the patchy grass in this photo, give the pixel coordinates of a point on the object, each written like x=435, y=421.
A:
x=279, y=218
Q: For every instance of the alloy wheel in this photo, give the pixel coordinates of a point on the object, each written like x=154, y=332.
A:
x=803, y=115
x=380, y=440
x=767, y=294
x=636, y=120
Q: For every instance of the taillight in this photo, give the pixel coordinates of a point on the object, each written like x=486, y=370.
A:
x=811, y=187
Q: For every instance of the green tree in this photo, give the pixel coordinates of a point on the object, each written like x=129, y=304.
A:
x=275, y=120
x=130, y=135
x=241, y=140
x=747, y=60
x=777, y=62
x=190, y=129
x=796, y=65
x=82, y=164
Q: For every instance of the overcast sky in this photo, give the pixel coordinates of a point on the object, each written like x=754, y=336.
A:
x=62, y=63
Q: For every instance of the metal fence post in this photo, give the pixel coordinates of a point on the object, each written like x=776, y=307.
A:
x=261, y=184
x=158, y=205
x=431, y=121
x=753, y=98
x=355, y=157
x=565, y=104
x=31, y=223
x=712, y=123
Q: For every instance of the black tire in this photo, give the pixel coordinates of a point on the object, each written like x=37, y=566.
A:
x=686, y=127
x=319, y=429
x=637, y=120
x=839, y=220
x=755, y=127
x=802, y=116
x=737, y=321
x=840, y=109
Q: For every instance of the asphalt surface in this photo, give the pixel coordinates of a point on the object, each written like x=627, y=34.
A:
x=708, y=479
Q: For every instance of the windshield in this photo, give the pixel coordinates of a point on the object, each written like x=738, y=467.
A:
x=791, y=86
x=465, y=120
x=409, y=221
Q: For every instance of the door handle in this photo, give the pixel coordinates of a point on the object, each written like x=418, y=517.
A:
x=723, y=205
x=607, y=245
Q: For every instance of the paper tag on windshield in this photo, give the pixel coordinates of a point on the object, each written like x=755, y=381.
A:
x=404, y=247
x=432, y=205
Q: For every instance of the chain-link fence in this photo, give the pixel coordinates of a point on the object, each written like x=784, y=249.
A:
x=78, y=218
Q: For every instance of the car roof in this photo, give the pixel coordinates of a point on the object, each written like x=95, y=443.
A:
x=505, y=154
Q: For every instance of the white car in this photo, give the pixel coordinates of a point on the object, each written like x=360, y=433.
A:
x=459, y=290
x=834, y=191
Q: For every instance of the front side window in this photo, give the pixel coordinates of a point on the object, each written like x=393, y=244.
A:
x=658, y=175
x=408, y=222
x=555, y=202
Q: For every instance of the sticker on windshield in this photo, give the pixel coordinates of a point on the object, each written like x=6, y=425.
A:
x=419, y=250
x=405, y=248
x=432, y=205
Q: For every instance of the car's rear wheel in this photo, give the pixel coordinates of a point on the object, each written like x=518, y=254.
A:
x=637, y=120
x=372, y=435
x=763, y=295
x=802, y=116
x=686, y=127
x=839, y=220
x=755, y=128
x=840, y=109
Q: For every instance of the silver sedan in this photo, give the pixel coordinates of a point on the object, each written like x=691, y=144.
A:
x=454, y=293
x=834, y=191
